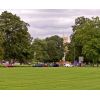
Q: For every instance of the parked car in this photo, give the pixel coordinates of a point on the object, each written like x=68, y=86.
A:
x=40, y=65
x=68, y=65
x=55, y=65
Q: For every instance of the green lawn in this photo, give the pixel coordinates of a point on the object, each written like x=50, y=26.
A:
x=44, y=78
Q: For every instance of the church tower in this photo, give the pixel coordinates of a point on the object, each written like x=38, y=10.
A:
x=65, y=40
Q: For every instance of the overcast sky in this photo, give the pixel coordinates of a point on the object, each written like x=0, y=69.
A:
x=48, y=22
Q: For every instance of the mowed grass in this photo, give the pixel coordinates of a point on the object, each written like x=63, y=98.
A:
x=50, y=78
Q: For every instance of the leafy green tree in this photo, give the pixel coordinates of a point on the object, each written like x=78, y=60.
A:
x=48, y=50
x=39, y=48
x=86, y=38
x=55, y=48
x=17, y=40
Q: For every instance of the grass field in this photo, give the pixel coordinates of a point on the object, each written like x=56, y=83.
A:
x=59, y=78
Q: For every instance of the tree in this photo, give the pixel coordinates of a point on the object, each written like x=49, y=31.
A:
x=86, y=38
x=92, y=50
x=17, y=40
x=55, y=48
x=48, y=50
x=39, y=48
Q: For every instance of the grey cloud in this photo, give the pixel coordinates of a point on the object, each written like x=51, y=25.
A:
x=50, y=25
x=48, y=22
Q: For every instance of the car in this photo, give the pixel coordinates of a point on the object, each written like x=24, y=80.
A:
x=68, y=65
x=55, y=65
x=39, y=65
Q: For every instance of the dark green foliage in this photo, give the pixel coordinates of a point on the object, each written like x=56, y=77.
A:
x=55, y=48
x=17, y=40
x=39, y=48
x=48, y=50
x=86, y=38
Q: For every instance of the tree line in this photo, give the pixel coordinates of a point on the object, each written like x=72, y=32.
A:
x=16, y=43
x=48, y=50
